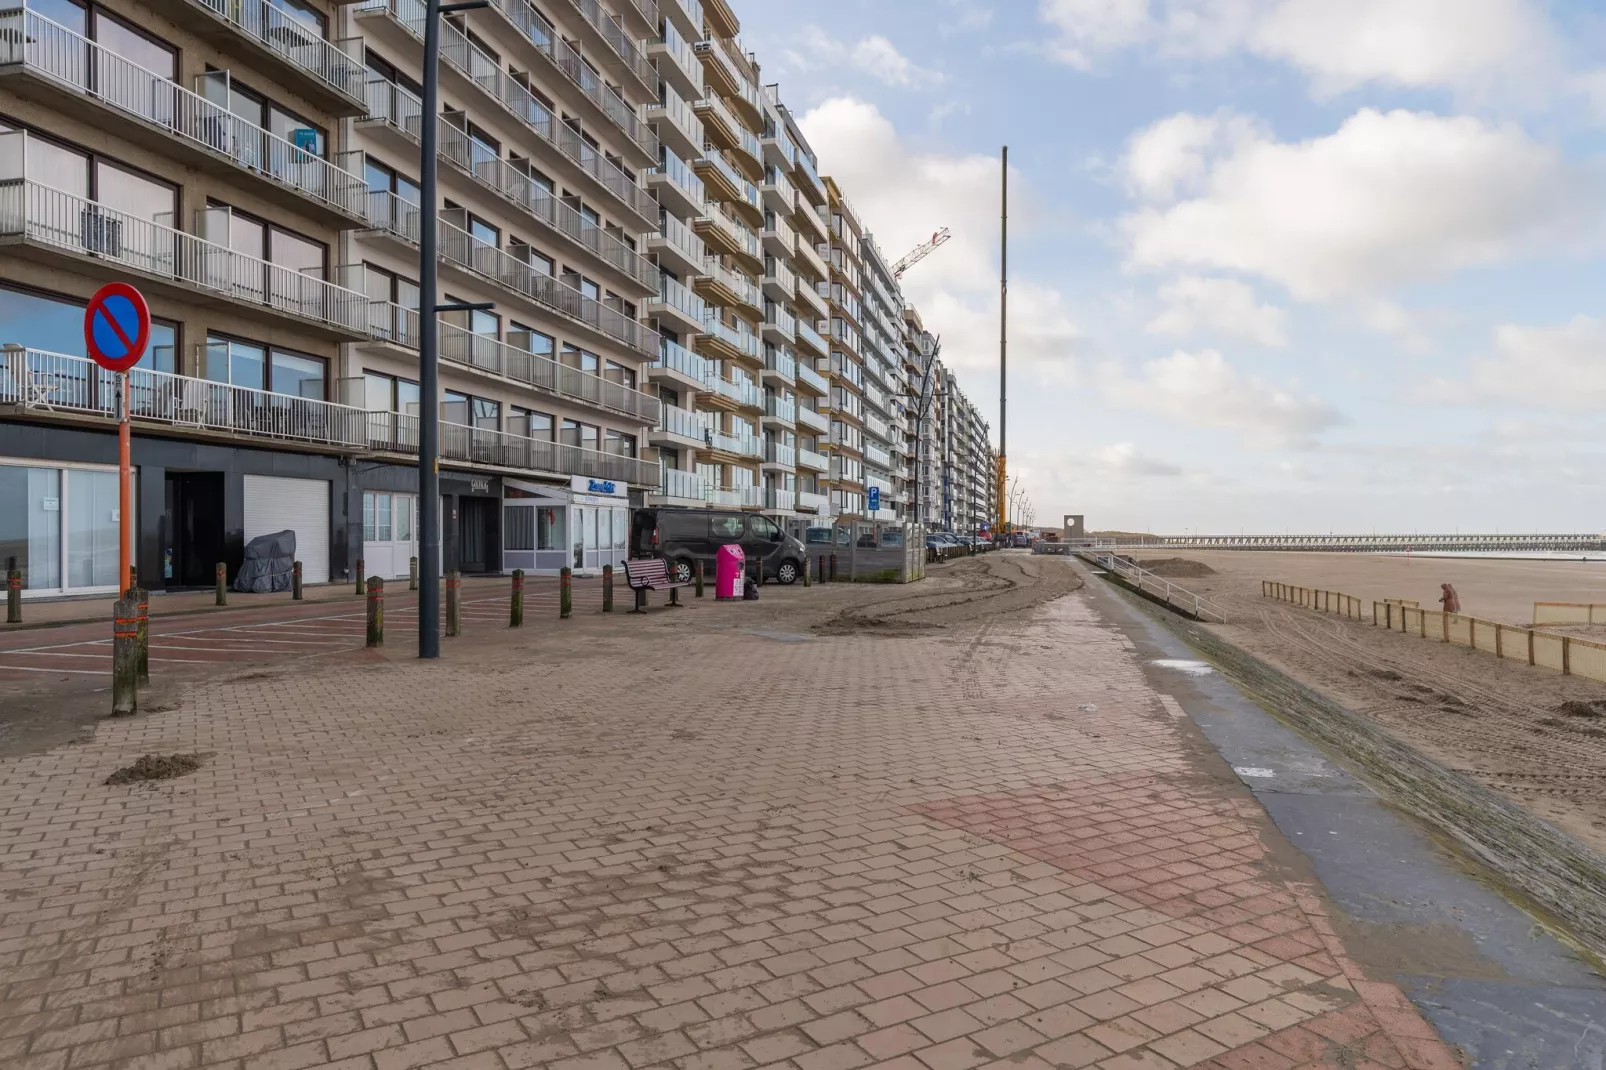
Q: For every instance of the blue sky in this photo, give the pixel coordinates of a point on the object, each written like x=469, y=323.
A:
x=1275, y=264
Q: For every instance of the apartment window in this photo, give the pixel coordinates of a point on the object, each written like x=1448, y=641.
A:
x=620, y=444
x=383, y=285
x=484, y=231
x=487, y=414
x=266, y=241
x=618, y=373
x=56, y=325
x=389, y=393
x=529, y=423
x=257, y=109
x=575, y=433
x=534, y=257
x=575, y=357
x=385, y=179
x=261, y=367
x=530, y=340
x=384, y=69
x=528, y=169
x=481, y=146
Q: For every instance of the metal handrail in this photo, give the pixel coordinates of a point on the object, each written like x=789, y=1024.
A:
x=394, y=323
x=391, y=432
x=745, y=289
x=39, y=379
x=299, y=42
x=679, y=296
x=676, y=357
x=1146, y=581
x=619, y=41
x=680, y=236
x=681, y=51
x=35, y=42
x=680, y=173
x=46, y=216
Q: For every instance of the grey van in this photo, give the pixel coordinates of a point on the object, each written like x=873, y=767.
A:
x=683, y=537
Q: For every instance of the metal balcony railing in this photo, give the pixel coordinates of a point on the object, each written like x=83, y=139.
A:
x=481, y=258
x=677, y=358
x=779, y=499
x=681, y=174
x=737, y=497
x=474, y=64
x=680, y=484
x=38, y=379
x=391, y=432
x=636, y=63
x=685, y=423
x=30, y=41
x=745, y=341
x=810, y=500
x=393, y=215
x=297, y=41
x=680, y=51
x=48, y=217
x=393, y=323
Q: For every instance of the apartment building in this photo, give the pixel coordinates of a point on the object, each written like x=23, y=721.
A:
x=952, y=465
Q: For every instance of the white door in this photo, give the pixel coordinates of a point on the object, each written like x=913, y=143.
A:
x=273, y=503
x=389, y=533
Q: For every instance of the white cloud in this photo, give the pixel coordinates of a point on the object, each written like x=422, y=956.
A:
x=1203, y=390
x=902, y=196
x=1195, y=303
x=1485, y=47
x=1123, y=459
x=1560, y=367
x=1387, y=199
x=969, y=16
x=873, y=55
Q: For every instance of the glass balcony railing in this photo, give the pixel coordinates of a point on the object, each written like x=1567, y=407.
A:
x=741, y=445
x=809, y=459
x=684, y=423
x=681, y=298
x=678, y=172
x=683, y=115
x=781, y=409
x=742, y=391
x=780, y=499
x=738, y=233
x=781, y=362
x=745, y=341
x=677, y=358
x=811, y=337
x=680, y=52
x=34, y=43
x=781, y=319
x=685, y=485
x=737, y=497
x=815, y=502
x=745, y=289
x=808, y=376
x=682, y=237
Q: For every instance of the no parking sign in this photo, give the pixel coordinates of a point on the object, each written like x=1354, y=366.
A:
x=117, y=326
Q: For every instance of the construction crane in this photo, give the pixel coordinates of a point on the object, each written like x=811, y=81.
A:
x=920, y=252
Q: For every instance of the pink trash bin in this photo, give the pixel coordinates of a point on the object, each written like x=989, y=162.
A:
x=729, y=565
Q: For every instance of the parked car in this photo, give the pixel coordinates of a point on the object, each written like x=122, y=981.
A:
x=682, y=537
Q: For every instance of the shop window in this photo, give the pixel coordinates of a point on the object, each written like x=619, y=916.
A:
x=63, y=526
x=549, y=529
x=518, y=528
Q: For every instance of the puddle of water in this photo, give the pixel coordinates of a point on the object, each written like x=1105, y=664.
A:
x=1254, y=772
x=1192, y=668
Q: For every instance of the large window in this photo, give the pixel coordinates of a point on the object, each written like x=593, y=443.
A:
x=585, y=436
x=387, y=393
x=56, y=324
x=529, y=339
x=575, y=357
x=260, y=367
x=620, y=444
x=529, y=423
x=61, y=526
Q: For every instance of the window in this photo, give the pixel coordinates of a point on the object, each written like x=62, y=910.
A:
x=385, y=179
x=530, y=424
x=620, y=444
x=259, y=367
x=728, y=528
x=518, y=527
x=256, y=109
x=387, y=286
x=56, y=325
x=134, y=45
x=530, y=340
x=575, y=357
x=484, y=232
x=532, y=256
x=382, y=67
x=618, y=373
x=764, y=528
x=95, y=178
x=487, y=414
x=387, y=393
x=575, y=433
x=246, y=234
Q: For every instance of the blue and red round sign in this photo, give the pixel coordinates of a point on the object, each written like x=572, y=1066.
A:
x=117, y=326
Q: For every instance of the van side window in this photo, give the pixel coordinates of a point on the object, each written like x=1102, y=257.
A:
x=728, y=527
x=764, y=528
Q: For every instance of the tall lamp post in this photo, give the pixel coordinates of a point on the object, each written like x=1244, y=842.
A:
x=430, y=308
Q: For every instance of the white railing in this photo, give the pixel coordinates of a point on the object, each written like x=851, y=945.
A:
x=779, y=230
x=40, y=380
x=745, y=289
x=781, y=409
x=1162, y=588
x=390, y=432
x=782, y=363
x=745, y=190
x=680, y=484
x=810, y=459
x=737, y=497
x=676, y=296
x=807, y=294
x=776, y=268
x=486, y=260
x=776, y=453
x=29, y=40
x=677, y=358
x=297, y=41
x=619, y=41
x=876, y=455
x=781, y=319
x=681, y=174
x=684, y=422
x=745, y=342
x=44, y=216
x=741, y=391
x=682, y=237
x=741, y=445
x=810, y=500
x=780, y=500
x=811, y=337
x=680, y=114
x=393, y=323
x=392, y=214
x=783, y=142
x=485, y=72
x=809, y=376
x=681, y=53
x=777, y=183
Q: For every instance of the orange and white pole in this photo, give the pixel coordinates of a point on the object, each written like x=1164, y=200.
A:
x=125, y=489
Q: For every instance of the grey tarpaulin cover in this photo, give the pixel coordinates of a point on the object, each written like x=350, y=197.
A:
x=268, y=563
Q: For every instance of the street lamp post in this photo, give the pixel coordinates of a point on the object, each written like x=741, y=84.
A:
x=429, y=469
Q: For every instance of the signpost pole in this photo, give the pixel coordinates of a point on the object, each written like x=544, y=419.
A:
x=125, y=488
x=117, y=327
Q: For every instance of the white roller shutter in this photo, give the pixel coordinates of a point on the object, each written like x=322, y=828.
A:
x=273, y=503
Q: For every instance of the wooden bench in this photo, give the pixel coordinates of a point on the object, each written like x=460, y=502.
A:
x=645, y=574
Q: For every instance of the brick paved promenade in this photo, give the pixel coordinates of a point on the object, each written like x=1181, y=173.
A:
x=675, y=841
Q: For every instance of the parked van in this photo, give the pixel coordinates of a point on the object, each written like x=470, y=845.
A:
x=683, y=537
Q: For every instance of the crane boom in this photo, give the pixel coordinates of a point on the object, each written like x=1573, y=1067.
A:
x=920, y=252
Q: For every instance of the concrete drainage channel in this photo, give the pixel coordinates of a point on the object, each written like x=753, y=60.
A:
x=1505, y=990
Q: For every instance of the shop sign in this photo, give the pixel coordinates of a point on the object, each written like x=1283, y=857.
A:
x=607, y=487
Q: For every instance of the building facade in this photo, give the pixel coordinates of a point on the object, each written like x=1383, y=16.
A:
x=681, y=309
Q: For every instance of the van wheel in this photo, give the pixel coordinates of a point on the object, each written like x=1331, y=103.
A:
x=787, y=573
x=680, y=570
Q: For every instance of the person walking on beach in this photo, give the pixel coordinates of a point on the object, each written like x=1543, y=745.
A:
x=1450, y=600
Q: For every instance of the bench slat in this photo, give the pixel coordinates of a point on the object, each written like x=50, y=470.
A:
x=649, y=573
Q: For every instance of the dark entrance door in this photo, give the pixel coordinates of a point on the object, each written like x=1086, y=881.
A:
x=192, y=529
x=476, y=531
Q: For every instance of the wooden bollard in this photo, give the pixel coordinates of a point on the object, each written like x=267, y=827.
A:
x=806, y=581
x=515, y=609
x=142, y=631
x=375, y=589
x=222, y=573
x=125, y=658
x=295, y=581
x=454, y=603
x=833, y=568
x=607, y=588
x=822, y=568
x=360, y=580
x=412, y=573
x=566, y=593
x=697, y=575
x=14, y=596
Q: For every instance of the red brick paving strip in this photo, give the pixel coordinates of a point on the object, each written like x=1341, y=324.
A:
x=667, y=843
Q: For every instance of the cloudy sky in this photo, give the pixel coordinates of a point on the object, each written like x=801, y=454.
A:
x=1301, y=265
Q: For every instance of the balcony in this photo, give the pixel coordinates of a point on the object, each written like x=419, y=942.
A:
x=779, y=152
x=725, y=183
x=747, y=446
x=780, y=411
x=727, y=288
x=718, y=123
x=329, y=74
x=47, y=225
x=809, y=224
x=719, y=70
x=779, y=194
x=678, y=64
x=681, y=486
x=682, y=309
x=809, y=459
x=810, y=379
x=41, y=382
x=779, y=325
x=780, y=364
x=576, y=158
x=737, y=497
x=807, y=177
x=731, y=394
x=677, y=246
x=53, y=65
x=809, y=502
x=398, y=326
x=721, y=341
x=812, y=261
x=684, y=15
x=779, y=283
x=778, y=237
x=390, y=432
x=810, y=337
x=807, y=295
x=875, y=455
x=679, y=127
x=678, y=365
x=619, y=51
x=779, y=499
x=678, y=187
x=468, y=253
x=681, y=428
x=719, y=229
